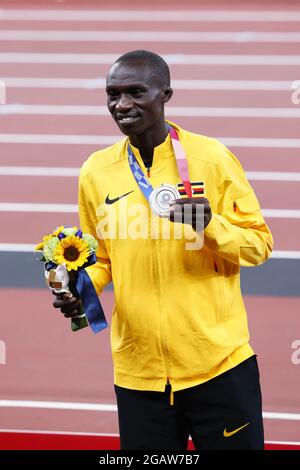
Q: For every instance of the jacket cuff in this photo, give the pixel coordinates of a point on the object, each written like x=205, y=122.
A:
x=211, y=231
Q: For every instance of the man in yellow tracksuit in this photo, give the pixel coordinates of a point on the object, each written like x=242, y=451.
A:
x=180, y=342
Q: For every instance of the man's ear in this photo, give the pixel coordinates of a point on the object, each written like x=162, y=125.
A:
x=167, y=94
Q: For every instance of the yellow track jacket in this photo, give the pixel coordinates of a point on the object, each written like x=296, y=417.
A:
x=179, y=317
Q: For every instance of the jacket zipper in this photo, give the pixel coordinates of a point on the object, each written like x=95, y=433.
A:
x=171, y=392
x=164, y=346
x=148, y=168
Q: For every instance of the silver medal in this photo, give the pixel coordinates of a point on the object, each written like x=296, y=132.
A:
x=161, y=197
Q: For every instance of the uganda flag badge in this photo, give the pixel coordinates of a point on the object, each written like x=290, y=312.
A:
x=197, y=187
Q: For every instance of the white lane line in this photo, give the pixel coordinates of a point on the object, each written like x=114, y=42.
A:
x=151, y=15
x=29, y=247
x=241, y=142
x=272, y=176
x=107, y=434
x=113, y=435
x=180, y=84
x=281, y=213
x=37, y=207
x=172, y=59
x=150, y=36
x=281, y=416
x=17, y=248
x=57, y=405
x=189, y=111
x=74, y=172
x=284, y=443
x=76, y=83
x=259, y=142
x=285, y=254
x=60, y=139
x=38, y=171
x=72, y=208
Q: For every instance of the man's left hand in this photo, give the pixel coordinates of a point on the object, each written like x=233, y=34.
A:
x=187, y=211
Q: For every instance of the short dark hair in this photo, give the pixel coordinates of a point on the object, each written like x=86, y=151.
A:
x=158, y=64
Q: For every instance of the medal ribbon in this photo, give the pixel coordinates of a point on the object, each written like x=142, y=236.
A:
x=144, y=185
x=141, y=179
x=181, y=162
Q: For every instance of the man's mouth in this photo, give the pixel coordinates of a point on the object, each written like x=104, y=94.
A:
x=127, y=119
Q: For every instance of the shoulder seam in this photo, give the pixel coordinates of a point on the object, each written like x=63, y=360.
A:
x=100, y=167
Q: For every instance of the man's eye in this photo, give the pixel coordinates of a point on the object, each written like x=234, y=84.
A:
x=137, y=92
x=112, y=94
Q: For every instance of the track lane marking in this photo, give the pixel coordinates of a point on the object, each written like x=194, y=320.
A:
x=74, y=172
x=178, y=84
x=172, y=59
x=150, y=15
x=186, y=111
x=249, y=37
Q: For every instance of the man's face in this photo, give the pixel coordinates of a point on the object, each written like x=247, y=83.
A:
x=135, y=97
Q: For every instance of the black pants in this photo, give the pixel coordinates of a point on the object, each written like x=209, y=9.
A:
x=223, y=413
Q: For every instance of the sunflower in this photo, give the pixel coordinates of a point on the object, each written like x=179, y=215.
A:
x=71, y=251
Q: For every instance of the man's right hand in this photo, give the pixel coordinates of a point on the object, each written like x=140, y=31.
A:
x=69, y=305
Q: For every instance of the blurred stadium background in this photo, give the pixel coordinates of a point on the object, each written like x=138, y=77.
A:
x=235, y=69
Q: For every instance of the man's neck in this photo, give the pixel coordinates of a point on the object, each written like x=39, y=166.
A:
x=148, y=140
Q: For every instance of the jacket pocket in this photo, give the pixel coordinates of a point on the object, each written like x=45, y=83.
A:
x=247, y=203
x=247, y=212
x=200, y=354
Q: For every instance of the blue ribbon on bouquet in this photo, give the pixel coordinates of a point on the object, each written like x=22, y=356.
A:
x=91, y=304
x=90, y=301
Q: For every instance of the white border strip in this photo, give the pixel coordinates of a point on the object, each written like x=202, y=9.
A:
x=28, y=247
x=114, y=435
x=245, y=142
x=285, y=254
x=172, y=59
x=150, y=15
x=150, y=36
x=287, y=443
x=37, y=207
x=280, y=213
x=100, y=434
x=270, y=176
x=64, y=139
x=17, y=247
x=281, y=416
x=57, y=405
x=74, y=172
x=39, y=171
x=180, y=84
x=242, y=142
x=186, y=111
x=73, y=208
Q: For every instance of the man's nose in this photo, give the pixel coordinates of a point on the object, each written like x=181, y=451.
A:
x=124, y=102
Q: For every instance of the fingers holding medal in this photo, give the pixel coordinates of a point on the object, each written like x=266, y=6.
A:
x=194, y=211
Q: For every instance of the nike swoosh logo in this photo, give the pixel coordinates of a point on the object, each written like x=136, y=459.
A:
x=231, y=433
x=112, y=201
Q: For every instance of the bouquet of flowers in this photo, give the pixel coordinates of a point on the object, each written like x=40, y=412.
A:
x=65, y=253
